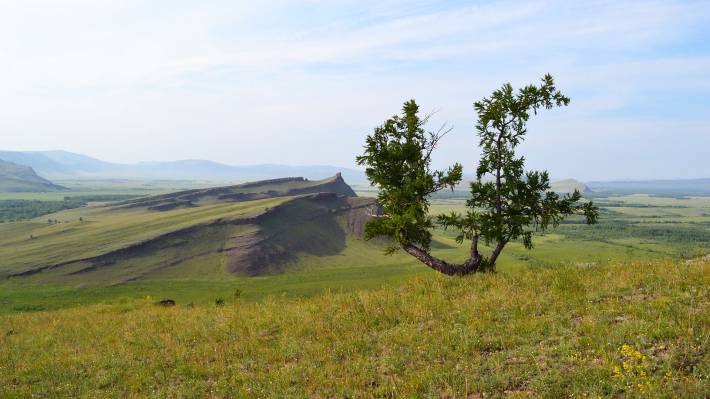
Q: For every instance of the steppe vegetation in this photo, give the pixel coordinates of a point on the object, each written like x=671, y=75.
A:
x=632, y=329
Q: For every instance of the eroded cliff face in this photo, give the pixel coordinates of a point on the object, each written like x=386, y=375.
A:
x=360, y=212
x=316, y=224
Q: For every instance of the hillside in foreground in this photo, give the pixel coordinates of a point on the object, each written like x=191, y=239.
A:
x=631, y=330
x=19, y=178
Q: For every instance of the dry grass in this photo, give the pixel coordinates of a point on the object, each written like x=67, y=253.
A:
x=551, y=332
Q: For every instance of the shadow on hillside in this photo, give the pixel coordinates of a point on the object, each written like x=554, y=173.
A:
x=435, y=244
x=294, y=230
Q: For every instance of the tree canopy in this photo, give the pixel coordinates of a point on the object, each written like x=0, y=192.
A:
x=506, y=203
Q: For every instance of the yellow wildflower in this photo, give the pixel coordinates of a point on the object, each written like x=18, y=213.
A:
x=617, y=371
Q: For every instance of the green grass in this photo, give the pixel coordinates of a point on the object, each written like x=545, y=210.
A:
x=638, y=329
x=360, y=265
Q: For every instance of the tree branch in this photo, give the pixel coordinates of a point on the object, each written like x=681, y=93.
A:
x=474, y=249
x=497, y=251
x=435, y=138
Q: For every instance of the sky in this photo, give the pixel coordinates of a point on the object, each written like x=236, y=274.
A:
x=303, y=82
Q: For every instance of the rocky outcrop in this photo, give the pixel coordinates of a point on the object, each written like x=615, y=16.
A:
x=360, y=212
x=334, y=185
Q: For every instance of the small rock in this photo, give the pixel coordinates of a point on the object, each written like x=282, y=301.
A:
x=166, y=302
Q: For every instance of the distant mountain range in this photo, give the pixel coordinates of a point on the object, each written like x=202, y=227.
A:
x=59, y=165
x=21, y=178
x=64, y=165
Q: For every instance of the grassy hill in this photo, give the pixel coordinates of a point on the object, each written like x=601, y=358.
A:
x=253, y=228
x=18, y=178
x=622, y=330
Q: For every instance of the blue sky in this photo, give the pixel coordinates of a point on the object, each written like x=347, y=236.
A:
x=302, y=82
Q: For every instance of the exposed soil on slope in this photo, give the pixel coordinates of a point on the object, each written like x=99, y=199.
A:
x=316, y=225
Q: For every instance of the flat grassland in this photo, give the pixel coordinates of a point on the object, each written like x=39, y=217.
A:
x=637, y=329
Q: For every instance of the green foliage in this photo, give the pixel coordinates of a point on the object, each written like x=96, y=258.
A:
x=15, y=210
x=398, y=158
x=504, y=209
x=513, y=205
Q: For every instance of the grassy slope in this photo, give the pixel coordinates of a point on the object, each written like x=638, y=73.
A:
x=103, y=230
x=547, y=332
x=358, y=267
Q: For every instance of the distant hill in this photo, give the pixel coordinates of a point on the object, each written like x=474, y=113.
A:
x=59, y=165
x=655, y=187
x=462, y=191
x=568, y=186
x=20, y=178
x=248, y=229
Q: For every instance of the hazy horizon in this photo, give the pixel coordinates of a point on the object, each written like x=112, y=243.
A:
x=302, y=83
x=468, y=173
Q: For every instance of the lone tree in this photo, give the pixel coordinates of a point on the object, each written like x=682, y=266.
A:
x=506, y=202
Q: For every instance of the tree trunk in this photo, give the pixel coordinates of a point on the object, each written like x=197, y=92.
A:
x=451, y=269
x=496, y=252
